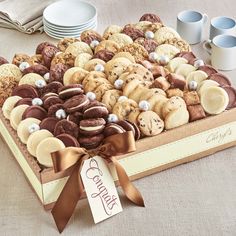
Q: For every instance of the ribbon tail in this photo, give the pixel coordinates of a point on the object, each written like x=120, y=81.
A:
x=131, y=192
x=68, y=199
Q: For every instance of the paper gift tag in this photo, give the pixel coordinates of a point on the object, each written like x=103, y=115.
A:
x=100, y=189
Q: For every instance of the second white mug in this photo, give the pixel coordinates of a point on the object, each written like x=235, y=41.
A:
x=190, y=25
x=222, y=25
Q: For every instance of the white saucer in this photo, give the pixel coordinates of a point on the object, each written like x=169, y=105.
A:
x=70, y=13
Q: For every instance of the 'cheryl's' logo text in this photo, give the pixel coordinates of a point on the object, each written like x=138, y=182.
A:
x=95, y=174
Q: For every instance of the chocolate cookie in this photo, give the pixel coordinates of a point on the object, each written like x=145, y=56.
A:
x=221, y=79
x=41, y=46
x=126, y=125
x=232, y=96
x=151, y=18
x=76, y=103
x=91, y=142
x=52, y=87
x=208, y=69
x=53, y=109
x=68, y=140
x=35, y=112
x=113, y=128
x=48, y=53
x=66, y=127
x=95, y=110
x=51, y=100
x=3, y=61
x=25, y=91
x=49, y=124
x=149, y=44
x=90, y=35
x=104, y=55
x=24, y=101
x=38, y=69
x=70, y=91
x=57, y=72
x=132, y=32
x=75, y=117
x=91, y=127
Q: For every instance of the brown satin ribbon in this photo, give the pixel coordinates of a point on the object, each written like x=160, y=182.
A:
x=74, y=157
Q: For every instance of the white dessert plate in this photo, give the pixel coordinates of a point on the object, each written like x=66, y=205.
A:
x=71, y=29
x=70, y=13
x=67, y=33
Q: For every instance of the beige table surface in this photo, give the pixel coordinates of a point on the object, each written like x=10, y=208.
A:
x=198, y=198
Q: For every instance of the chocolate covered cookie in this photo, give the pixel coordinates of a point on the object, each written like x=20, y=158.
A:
x=49, y=124
x=68, y=140
x=91, y=142
x=25, y=91
x=35, y=112
x=66, y=127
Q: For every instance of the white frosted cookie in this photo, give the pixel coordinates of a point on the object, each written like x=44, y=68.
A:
x=205, y=84
x=23, y=129
x=198, y=76
x=35, y=138
x=165, y=33
x=175, y=62
x=79, y=47
x=45, y=148
x=8, y=105
x=30, y=79
x=167, y=50
x=214, y=100
x=10, y=70
x=185, y=69
x=121, y=39
x=16, y=115
x=82, y=59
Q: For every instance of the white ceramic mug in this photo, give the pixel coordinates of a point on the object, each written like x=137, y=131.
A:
x=190, y=25
x=222, y=25
x=223, y=52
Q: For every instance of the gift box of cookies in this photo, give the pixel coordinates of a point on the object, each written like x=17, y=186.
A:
x=142, y=80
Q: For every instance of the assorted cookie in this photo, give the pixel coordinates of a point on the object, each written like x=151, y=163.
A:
x=142, y=78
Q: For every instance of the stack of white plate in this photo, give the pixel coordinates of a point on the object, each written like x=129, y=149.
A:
x=69, y=18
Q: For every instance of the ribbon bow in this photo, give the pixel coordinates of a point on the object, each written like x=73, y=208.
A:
x=73, y=157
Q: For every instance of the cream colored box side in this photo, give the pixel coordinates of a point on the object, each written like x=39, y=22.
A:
x=160, y=156
x=32, y=178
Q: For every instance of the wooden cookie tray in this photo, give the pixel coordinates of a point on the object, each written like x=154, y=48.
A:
x=168, y=149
